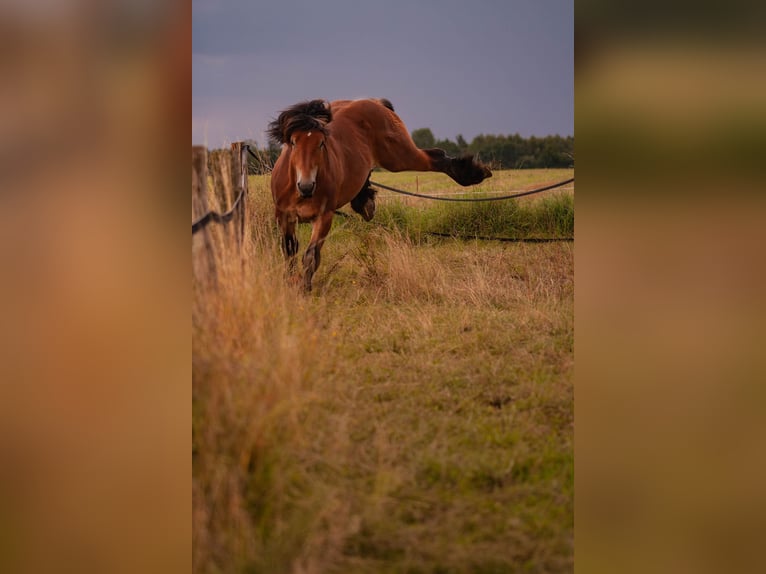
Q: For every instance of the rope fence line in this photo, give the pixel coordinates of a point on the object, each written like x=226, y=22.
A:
x=241, y=185
x=387, y=195
x=210, y=216
x=473, y=199
x=255, y=156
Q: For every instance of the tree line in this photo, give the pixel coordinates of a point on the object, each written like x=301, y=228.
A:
x=506, y=151
x=498, y=151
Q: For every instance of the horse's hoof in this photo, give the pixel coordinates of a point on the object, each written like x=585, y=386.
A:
x=467, y=170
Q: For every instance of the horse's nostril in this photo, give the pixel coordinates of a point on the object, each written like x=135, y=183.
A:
x=306, y=189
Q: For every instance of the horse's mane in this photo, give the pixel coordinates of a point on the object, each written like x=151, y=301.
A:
x=312, y=115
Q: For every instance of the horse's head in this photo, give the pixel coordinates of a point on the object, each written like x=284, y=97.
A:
x=307, y=151
x=303, y=127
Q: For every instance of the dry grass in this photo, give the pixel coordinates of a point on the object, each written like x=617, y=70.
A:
x=413, y=414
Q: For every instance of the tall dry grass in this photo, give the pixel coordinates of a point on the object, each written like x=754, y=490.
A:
x=256, y=356
x=333, y=432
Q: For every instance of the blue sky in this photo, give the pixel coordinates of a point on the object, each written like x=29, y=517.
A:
x=457, y=67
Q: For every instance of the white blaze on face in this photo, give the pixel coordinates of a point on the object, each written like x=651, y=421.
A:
x=312, y=174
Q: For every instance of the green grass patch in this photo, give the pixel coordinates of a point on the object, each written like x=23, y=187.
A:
x=549, y=217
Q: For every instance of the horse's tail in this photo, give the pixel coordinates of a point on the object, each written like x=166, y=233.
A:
x=387, y=103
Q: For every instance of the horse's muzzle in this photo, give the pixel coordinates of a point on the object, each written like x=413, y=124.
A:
x=307, y=189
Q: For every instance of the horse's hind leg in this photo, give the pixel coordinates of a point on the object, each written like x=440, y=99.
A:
x=399, y=153
x=311, y=258
x=364, y=202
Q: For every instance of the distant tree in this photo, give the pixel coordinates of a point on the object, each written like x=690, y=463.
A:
x=424, y=138
x=499, y=151
x=525, y=161
x=461, y=143
x=274, y=151
x=448, y=146
x=516, y=152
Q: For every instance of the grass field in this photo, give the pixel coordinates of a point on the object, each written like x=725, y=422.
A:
x=413, y=414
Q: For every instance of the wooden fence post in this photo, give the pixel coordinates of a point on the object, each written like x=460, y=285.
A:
x=203, y=257
x=228, y=172
x=239, y=179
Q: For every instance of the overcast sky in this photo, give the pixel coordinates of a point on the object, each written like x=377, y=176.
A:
x=457, y=67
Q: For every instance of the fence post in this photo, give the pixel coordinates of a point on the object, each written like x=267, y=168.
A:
x=239, y=179
x=223, y=195
x=203, y=264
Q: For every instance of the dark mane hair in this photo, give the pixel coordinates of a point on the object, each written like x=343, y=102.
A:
x=313, y=115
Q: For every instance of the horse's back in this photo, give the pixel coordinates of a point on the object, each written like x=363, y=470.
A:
x=374, y=122
x=338, y=105
x=375, y=113
x=357, y=124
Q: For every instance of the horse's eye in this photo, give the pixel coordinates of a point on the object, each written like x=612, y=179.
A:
x=321, y=144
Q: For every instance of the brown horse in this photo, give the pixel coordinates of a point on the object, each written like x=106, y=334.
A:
x=328, y=152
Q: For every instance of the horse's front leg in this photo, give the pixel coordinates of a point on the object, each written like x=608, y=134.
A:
x=311, y=258
x=289, y=239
